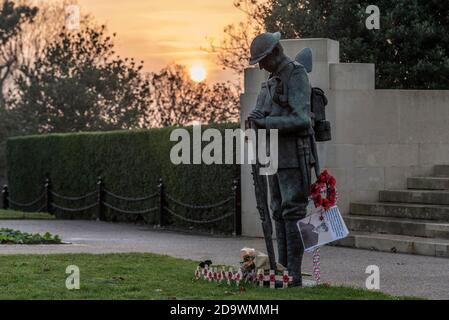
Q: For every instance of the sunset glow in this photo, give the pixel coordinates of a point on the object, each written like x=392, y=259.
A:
x=198, y=73
x=170, y=31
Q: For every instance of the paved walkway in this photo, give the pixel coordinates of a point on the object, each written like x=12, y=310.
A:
x=399, y=274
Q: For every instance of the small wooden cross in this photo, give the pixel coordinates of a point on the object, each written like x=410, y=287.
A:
x=286, y=279
x=230, y=276
x=219, y=276
x=272, y=279
x=238, y=277
x=210, y=275
x=261, y=277
x=198, y=273
x=205, y=272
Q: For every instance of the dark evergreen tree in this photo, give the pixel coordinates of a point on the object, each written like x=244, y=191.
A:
x=79, y=85
x=410, y=50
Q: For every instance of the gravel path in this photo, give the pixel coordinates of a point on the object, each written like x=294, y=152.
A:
x=399, y=274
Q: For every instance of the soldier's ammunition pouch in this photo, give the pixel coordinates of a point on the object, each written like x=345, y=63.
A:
x=322, y=131
x=280, y=95
x=321, y=127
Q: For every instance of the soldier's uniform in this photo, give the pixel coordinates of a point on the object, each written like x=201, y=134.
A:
x=285, y=101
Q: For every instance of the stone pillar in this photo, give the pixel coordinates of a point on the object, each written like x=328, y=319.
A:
x=379, y=137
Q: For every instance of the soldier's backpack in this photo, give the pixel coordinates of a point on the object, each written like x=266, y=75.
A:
x=321, y=126
x=318, y=101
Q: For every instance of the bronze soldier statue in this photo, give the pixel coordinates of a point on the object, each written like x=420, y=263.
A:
x=284, y=104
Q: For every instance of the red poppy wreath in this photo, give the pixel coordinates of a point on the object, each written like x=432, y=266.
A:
x=323, y=192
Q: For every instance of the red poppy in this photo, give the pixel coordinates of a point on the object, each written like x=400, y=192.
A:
x=317, y=200
x=325, y=182
x=322, y=178
x=325, y=203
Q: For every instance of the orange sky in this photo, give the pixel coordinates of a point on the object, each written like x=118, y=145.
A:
x=164, y=31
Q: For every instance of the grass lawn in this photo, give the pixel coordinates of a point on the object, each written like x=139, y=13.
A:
x=19, y=215
x=137, y=276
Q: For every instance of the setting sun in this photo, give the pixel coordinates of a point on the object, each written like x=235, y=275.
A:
x=197, y=73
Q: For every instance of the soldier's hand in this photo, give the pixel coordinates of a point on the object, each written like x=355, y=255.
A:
x=256, y=114
x=260, y=123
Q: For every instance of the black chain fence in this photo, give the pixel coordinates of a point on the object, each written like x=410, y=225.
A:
x=100, y=199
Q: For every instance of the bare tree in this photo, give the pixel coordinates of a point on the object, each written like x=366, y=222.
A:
x=233, y=51
x=178, y=100
x=221, y=104
x=35, y=35
x=12, y=20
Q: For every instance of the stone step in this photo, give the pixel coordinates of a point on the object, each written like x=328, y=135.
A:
x=401, y=210
x=398, y=226
x=441, y=171
x=428, y=183
x=396, y=244
x=415, y=196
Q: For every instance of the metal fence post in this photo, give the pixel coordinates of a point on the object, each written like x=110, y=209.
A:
x=100, y=199
x=237, y=208
x=161, y=202
x=5, y=195
x=48, y=197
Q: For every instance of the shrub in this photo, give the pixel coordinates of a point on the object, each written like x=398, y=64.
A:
x=131, y=163
x=10, y=236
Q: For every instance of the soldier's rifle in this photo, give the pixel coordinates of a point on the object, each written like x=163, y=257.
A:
x=261, y=193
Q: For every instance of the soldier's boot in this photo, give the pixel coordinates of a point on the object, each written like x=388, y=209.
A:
x=295, y=251
x=281, y=240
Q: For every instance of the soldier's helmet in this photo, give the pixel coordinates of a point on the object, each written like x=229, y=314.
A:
x=262, y=46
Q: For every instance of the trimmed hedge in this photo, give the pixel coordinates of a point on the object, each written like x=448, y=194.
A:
x=131, y=162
